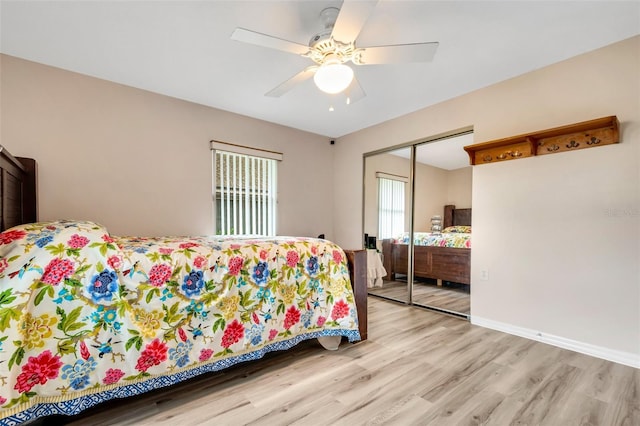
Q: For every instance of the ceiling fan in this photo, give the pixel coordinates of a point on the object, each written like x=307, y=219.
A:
x=334, y=46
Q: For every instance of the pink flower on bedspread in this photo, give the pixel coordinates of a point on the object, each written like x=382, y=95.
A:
x=199, y=261
x=10, y=236
x=153, y=354
x=292, y=317
x=232, y=334
x=112, y=376
x=187, y=245
x=264, y=254
x=205, y=354
x=57, y=270
x=159, y=274
x=2, y=400
x=340, y=310
x=337, y=256
x=165, y=250
x=115, y=262
x=3, y=264
x=235, y=265
x=77, y=241
x=321, y=321
x=37, y=371
x=273, y=333
x=292, y=258
x=107, y=238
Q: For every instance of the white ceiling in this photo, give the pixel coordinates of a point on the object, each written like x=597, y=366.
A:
x=448, y=154
x=183, y=49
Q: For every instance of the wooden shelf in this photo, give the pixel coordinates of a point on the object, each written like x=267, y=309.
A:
x=587, y=134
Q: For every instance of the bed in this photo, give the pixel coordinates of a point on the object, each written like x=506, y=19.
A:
x=86, y=316
x=444, y=257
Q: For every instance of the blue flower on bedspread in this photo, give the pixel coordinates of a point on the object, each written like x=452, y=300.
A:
x=314, y=285
x=63, y=294
x=42, y=234
x=180, y=354
x=312, y=265
x=306, y=318
x=166, y=294
x=260, y=273
x=78, y=373
x=103, y=286
x=196, y=309
x=41, y=242
x=264, y=295
x=254, y=334
x=193, y=283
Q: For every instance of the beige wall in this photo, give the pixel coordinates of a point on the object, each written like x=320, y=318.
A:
x=558, y=233
x=459, y=185
x=430, y=195
x=139, y=163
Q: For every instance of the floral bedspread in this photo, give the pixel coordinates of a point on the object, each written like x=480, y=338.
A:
x=444, y=239
x=86, y=316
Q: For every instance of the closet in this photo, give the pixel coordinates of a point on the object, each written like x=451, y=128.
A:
x=412, y=195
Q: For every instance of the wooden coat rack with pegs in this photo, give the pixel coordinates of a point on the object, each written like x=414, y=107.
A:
x=587, y=134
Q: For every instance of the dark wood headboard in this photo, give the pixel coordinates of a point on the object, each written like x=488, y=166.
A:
x=17, y=190
x=456, y=217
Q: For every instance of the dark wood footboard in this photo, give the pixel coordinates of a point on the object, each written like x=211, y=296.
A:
x=358, y=273
x=440, y=263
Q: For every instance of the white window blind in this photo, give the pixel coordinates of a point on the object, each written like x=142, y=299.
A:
x=245, y=193
x=391, y=205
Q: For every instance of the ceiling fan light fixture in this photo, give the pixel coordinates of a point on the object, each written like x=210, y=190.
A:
x=333, y=77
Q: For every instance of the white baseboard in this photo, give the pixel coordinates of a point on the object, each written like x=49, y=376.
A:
x=625, y=358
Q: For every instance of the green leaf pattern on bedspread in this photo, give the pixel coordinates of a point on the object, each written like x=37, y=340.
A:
x=82, y=311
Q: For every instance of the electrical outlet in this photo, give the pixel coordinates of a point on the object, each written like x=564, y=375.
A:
x=484, y=275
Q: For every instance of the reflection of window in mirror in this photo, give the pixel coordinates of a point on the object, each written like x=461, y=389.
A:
x=393, y=167
x=391, y=205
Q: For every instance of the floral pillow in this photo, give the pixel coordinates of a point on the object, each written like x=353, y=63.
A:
x=459, y=229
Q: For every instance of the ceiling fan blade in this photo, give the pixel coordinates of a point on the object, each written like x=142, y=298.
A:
x=353, y=14
x=259, y=39
x=288, y=85
x=399, y=53
x=354, y=92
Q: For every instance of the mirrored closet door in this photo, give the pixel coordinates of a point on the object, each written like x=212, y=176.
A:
x=426, y=255
x=442, y=224
x=387, y=215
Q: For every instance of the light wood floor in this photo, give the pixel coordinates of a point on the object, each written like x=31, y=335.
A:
x=455, y=297
x=418, y=367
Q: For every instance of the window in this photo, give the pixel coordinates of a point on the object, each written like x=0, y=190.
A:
x=391, y=205
x=245, y=188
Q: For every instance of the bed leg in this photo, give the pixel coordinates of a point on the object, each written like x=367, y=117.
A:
x=330, y=343
x=439, y=282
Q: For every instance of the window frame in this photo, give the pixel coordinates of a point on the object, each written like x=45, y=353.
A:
x=253, y=188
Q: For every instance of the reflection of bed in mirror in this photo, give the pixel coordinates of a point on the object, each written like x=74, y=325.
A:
x=444, y=257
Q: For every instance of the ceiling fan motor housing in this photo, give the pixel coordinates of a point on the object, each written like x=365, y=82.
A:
x=320, y=37
x=323, y=48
